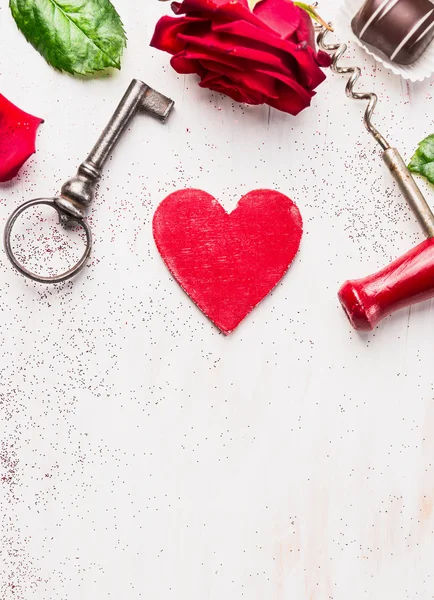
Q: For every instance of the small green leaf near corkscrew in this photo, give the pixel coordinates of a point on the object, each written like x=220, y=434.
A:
x=422, y=161
x=72, y=35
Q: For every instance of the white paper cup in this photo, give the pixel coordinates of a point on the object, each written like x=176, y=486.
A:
x=418, y=71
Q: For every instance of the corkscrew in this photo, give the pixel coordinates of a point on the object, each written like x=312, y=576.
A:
x=409, y=279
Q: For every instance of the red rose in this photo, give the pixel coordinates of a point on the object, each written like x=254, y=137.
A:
x=267, y=55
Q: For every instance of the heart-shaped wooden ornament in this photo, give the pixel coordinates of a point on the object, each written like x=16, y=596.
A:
x=227, y=262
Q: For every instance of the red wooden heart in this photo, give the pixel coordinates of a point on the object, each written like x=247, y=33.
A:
x=227, y=262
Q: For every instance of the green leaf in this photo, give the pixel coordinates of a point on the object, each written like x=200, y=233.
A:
x=422, y=161
x=428, y=171
x=416, y=163
x=426, y=148
x=77, y=36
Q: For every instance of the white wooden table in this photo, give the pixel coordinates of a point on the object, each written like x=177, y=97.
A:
x=145, y=455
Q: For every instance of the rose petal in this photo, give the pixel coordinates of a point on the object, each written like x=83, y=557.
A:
x=225, y=64
x=289, y=101
x=305, y=31
x=255, y=83
x=298, y=62
x=309, y=73
x=235, y=51
x=205, y=5
x=323, y=59
x=211, y=66
x=304, y=94
x=238, y=11
x=192, y=6
x=195, y=53
x=167, y=30
x=225, y=85
x=17, y=138
x=306, y=59
x=250, y=31
x=244, y=70
x=282, y=16
x=186, y=65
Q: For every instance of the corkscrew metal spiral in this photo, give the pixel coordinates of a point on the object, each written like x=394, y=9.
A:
x=337, y=51
x=390, y=156
x=409, y=279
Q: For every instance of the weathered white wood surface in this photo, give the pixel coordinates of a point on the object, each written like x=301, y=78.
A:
x=145, y=455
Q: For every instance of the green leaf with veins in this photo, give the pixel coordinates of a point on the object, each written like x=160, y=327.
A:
x=423, y=160
x=77, y=36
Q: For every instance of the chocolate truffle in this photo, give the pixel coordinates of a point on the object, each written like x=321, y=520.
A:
x=401, y=29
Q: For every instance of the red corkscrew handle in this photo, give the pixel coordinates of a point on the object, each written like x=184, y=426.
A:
x=407, y=280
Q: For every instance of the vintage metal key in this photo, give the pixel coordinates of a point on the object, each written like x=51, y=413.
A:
x=77, y=193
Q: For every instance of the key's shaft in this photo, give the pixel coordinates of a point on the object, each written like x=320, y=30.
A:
x=121, y=118
x=79, y=191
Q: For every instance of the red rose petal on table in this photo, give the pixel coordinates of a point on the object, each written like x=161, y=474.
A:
x=17, y=138
x=227, y=262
